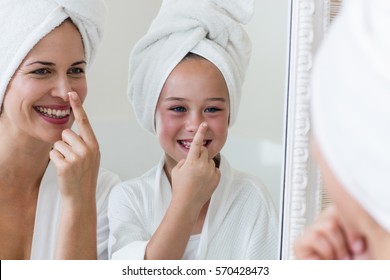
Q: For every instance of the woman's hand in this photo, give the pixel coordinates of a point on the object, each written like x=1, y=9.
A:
x=77, y=157
x=329, y=239
x=195, y=178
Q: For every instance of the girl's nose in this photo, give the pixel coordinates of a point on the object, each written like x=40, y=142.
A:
x=193, y=122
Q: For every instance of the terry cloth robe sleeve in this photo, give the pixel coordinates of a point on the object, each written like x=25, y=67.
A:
x=128, y=225
x=106, y=181
x=263, y=242
x=241, y=222
x=136, y=209
x=48, y=212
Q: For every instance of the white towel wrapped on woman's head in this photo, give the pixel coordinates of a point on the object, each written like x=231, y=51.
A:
x=351, y=103
x=23, y=23
x=210, y=28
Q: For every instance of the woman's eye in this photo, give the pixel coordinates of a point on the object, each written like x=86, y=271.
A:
x=76, y=71
x=42, y=71
x=179, y=109
x=212, y=110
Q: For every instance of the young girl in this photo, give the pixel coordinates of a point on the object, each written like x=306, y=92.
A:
x=192, y=205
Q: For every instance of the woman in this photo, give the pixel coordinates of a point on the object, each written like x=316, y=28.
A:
x=53, y=196
x=352, y=143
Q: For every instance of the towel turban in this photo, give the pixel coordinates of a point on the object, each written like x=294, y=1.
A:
x=23, y=23
x=351, y=103
x=210, y=28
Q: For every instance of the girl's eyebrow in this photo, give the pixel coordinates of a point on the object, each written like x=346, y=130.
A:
x=220, y=99
x=175, y=99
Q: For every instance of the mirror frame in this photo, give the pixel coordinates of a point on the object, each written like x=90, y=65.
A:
x=302, y=192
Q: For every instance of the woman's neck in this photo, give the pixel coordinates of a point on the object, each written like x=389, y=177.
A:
x=22, y=163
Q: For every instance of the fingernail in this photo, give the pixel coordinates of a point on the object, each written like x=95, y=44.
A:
x=204, y=124
x=357, y=246
x=73, y=95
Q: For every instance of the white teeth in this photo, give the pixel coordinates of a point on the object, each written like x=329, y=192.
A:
x=53, y=113
x=187, y=144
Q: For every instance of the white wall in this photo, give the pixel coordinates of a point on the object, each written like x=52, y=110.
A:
x=255, y=141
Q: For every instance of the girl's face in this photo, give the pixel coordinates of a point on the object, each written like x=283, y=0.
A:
x=36, y=104
x=194, y=92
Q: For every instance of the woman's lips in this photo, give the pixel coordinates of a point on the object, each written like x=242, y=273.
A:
x=54, y=114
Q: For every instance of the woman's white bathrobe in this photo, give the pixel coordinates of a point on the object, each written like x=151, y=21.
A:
x=241, y=222
x=49, y=209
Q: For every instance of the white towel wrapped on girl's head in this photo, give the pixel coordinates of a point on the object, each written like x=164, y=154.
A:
x=23, y=23
x=351, y=103
x=210, y=28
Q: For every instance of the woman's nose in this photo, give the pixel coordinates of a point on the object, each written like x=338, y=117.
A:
x=62, y=87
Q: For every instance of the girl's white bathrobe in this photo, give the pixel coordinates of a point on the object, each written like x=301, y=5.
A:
x=48, y=213
x=241, y=222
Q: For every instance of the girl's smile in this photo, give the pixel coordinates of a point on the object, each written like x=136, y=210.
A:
x=194, y=92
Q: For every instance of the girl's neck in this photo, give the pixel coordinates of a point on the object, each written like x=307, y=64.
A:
x=169, y=164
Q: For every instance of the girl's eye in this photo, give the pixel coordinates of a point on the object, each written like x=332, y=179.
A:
x=212, y=110
x=178, y=109
x=76, y=71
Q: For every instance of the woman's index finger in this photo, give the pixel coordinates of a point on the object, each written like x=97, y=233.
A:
x=197, y=142
x=81, y=118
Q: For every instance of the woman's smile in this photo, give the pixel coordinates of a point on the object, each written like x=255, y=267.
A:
x=54, y=114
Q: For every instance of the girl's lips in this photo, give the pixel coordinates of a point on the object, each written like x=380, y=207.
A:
x=187, y=143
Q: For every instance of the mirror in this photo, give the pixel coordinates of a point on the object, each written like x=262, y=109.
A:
x=303, y=196
x=255, y=142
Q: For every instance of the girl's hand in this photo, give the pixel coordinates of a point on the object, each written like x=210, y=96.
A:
x=195, y=178
x=329, y=239
x=77, y=157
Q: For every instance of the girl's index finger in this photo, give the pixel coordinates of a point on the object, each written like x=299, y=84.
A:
x=197, y=142
x=81, y=118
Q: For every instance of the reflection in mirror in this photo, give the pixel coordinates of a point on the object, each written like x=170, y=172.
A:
x=255, y=142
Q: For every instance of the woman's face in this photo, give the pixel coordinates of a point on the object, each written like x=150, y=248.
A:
x=194, y=92
x=36, y=103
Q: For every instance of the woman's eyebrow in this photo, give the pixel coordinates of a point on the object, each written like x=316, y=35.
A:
x=46, y=63
x=79, y=62
x=41, y=62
